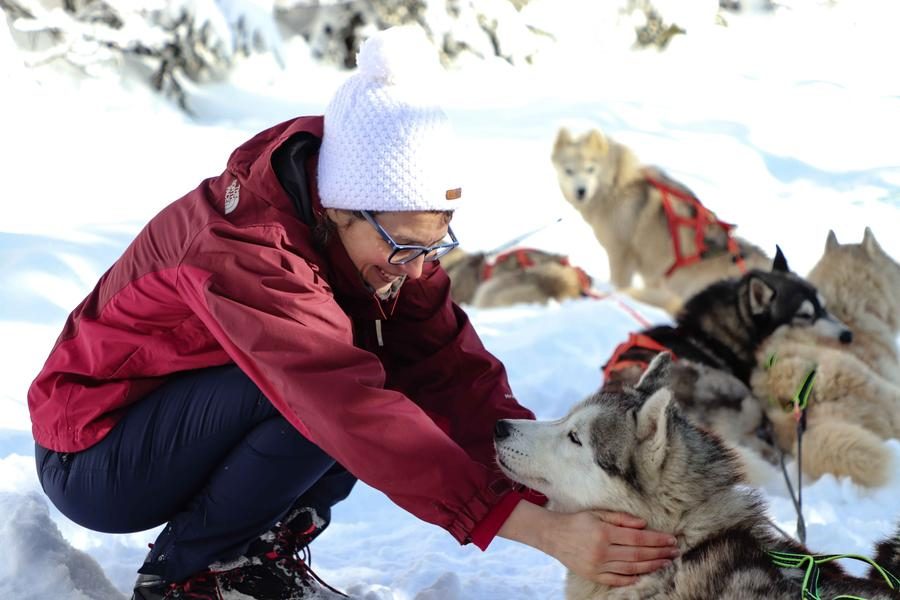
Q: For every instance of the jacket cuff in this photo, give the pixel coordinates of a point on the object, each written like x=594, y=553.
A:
x=486, y=530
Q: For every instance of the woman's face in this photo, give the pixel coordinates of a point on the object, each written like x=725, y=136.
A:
x=370, y=253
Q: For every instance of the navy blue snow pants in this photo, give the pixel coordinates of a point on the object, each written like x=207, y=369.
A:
x=206, y=453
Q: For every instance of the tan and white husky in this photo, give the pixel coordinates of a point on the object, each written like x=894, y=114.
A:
x=624, y=202
x=522, y=275
x=855, y=401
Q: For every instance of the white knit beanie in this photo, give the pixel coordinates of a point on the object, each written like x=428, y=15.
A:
x=386, y=146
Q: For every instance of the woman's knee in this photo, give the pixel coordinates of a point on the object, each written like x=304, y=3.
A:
x=277, y=438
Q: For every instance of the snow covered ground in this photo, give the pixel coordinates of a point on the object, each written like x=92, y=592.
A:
x=785, y=124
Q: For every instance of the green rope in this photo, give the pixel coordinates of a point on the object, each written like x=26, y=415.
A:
x=811, y=562
x=801, y=398
x=797, y=404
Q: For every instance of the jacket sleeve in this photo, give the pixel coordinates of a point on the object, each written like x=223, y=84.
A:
x=276, y=318
x=434, y=356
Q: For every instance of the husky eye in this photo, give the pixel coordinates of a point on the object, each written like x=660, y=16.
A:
x=570, y=172
x=806, y=311
x=591, y=169
x=573, y=435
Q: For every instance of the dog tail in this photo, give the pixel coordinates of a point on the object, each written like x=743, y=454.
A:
x=831, y=446
x=887, y=556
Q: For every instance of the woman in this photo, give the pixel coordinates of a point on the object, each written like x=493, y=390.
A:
x=277, y=333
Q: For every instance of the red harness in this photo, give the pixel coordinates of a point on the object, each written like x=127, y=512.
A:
x=524, y=260
x=698, y=223
x=635, y=340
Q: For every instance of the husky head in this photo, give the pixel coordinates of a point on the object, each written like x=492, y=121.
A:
x=739, y=314
x=627, y=450
x=583, y=164
x=780, y=298
x=861, y=281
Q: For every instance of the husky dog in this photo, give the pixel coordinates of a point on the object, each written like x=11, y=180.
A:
x=633, y=451
x=524, y=275
x=624, y=202
x=716, y=339
x=861, y=283
x=855, y=399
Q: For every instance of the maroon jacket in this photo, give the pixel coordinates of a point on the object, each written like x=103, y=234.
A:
x=228, y=273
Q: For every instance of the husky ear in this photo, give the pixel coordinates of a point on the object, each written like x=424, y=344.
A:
x=596, y=141
x=563, y=139
x=657, y=374
x=653, y=426
x=780, y=262
x=831, y=242
x=870, y=244
x=760, y=295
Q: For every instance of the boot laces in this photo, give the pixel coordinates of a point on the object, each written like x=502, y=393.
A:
x=292, y=553
x=203, y=586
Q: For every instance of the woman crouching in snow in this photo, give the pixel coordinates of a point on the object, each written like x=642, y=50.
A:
x=281, y=331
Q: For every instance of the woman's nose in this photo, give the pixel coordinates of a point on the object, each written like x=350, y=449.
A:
x=413, y=269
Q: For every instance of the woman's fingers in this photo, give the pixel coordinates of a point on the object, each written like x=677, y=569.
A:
x=614, y=580
x=626, y=536
x=620, y=519
x=634, y=568
x=636, y=554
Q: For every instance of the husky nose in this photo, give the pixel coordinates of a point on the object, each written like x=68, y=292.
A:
x=580, y=192
x=846, y=336
x=501, y=430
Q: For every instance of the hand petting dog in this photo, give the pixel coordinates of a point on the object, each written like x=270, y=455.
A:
x=609, y=548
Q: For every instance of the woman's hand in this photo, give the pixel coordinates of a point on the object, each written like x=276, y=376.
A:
x=609, y=548
x=605, y=547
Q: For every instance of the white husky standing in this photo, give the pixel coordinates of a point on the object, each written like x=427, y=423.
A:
x=648, y=223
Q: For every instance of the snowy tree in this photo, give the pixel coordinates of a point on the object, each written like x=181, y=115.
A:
x=169, y=40
x=459, y=28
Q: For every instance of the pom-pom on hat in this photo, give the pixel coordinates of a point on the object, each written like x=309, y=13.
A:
x=387, y=145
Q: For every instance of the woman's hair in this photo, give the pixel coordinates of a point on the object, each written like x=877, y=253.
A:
x=325, y=227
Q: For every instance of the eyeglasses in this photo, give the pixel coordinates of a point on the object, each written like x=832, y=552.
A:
x=405, y=253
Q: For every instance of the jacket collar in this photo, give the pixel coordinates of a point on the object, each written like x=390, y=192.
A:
x=296, y=193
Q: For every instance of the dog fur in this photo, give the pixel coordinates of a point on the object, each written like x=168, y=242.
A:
x=716, y=338
x=633, y=451
x=548, y=278
x=855, y=400
x=608, y=186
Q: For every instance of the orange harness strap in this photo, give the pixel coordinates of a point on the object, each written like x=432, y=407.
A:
x=524, y=260
x=635, y=340
x=698, y=224
x=522, y=256
x=583, y=278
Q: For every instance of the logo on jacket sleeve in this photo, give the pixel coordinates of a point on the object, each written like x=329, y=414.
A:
x=232, y=196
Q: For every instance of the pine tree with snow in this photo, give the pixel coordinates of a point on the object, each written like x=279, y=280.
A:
x=169, y=40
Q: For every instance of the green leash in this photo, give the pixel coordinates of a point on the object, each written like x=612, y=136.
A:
x=810, y=564
x=797, y=405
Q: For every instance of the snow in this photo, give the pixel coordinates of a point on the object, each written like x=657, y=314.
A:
x=782, y=122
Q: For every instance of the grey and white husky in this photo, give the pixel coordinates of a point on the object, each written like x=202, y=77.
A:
x=632, y=450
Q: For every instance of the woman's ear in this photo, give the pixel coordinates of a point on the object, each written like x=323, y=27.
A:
x=340, y=218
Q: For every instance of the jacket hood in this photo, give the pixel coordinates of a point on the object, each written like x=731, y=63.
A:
x=251, y=162
x=279, y=166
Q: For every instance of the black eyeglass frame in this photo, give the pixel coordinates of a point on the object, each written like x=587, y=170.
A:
x=436, y=251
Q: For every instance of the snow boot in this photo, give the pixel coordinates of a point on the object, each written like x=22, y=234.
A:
x=275, y=567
